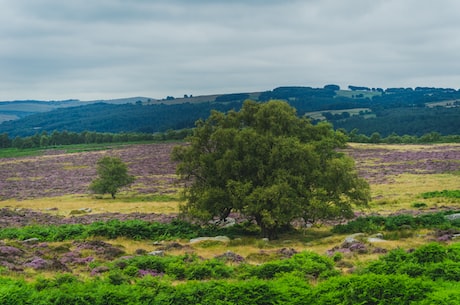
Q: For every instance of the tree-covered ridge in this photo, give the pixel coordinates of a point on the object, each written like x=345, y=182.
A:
x=394, y=110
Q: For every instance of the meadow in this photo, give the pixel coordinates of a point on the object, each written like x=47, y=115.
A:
x=55, y=235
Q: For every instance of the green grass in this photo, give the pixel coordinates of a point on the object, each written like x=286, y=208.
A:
x=443, y=194
x=15, y=152
x=353, y=94
x=72, y=148
x=318, y=115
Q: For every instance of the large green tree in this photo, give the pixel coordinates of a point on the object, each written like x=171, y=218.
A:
x=270, y=165
x=112, y=175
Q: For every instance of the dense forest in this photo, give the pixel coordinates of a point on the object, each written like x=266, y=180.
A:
x=400, y=111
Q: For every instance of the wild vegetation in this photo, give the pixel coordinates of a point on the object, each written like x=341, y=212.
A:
x=402, y=250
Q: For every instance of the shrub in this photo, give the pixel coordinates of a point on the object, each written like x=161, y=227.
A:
x=399, y=221
x=309, y=264
x=371, y=289
x=419, y=205
x=370, y=224
x=430, y=253
x=443, y=193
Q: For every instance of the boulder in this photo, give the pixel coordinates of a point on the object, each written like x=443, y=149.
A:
x=351, y=239
x=223, y=239
x=452, y=217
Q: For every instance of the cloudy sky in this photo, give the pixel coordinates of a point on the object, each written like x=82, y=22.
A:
x=102, y=49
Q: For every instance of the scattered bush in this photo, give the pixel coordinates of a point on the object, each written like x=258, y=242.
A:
x=374, y=224
x=369, y=224
x=444, y=194
x=371, y=289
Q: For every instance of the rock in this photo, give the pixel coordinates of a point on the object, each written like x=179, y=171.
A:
x=452, y=217
x=375, y=240
x=81, y=211
x=226, y=223
x=33, y=240
x=350, y=239
x=157, y=253
x=223, y=239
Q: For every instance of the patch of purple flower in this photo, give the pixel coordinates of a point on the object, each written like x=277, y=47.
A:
x=8, y=251
x=38, y=263
x=99, y=270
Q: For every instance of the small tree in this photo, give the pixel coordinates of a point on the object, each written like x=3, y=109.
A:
x=270, y=165
x=113, y=174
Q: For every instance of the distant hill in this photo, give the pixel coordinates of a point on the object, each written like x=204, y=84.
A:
x=394, y=110
x=13, y=110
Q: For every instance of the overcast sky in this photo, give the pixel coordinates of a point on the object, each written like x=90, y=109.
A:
x=102, y=49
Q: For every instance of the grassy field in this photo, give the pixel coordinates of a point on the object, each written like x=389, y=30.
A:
x=318, y=115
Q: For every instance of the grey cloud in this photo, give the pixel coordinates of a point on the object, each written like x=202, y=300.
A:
x=92, y=49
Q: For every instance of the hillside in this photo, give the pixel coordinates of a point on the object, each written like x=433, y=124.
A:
x=61, y=245
x=394, y=110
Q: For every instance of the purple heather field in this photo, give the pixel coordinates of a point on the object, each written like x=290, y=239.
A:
x=56, y=173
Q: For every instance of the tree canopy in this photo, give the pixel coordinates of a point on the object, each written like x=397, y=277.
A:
x=112, y=175
x=270, y=165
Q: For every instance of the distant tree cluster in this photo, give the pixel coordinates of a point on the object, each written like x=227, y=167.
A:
x=56, y=138
x=376, y=138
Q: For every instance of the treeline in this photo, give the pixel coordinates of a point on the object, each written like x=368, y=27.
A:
x=415, y=121
x=377, y=138
x=58, y=138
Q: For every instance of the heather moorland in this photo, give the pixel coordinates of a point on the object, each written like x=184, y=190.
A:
x=56, y=235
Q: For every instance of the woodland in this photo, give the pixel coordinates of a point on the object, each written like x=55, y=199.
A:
x=400, y=111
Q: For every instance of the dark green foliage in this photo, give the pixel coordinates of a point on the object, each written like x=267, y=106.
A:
x=443, y=194
x=308, y=264
x=369, y=224
x=371, y=289
x=430, y=253
x=374, y=224
x=433, y=261
x=14, y=292
x=399, y=221
x=270, y=165
x=133, y=229
x=112, y=175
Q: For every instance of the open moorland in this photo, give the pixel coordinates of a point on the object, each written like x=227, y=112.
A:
x=55, y=235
